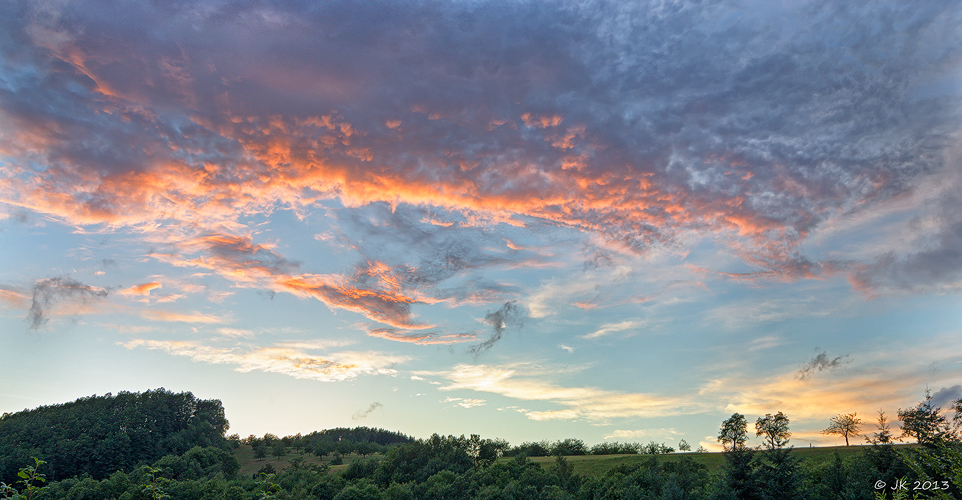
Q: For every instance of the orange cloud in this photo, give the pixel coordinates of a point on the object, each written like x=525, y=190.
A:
x=141, y=289
x=421, y=337
x=194, y=317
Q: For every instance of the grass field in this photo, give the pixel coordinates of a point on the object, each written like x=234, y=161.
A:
x=586, y=465
x=599, y=465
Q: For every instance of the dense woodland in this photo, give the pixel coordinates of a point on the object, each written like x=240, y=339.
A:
x=158, y=444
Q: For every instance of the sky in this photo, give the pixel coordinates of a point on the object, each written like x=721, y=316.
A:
x=613, y=221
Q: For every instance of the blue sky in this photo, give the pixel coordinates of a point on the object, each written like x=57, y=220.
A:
x=527, y=220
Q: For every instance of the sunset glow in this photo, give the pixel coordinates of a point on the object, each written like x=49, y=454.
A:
x=528, y=220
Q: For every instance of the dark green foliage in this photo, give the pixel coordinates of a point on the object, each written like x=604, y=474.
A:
x=925, y=423
x=362, y=491
x=780, y=476
x=740, y=480
x=942, y=463
x=360, y=469
x=653, y=448
x=734, y=432
x=348, y=440
x=569, y=447
x=839, y=479
x=615, y=448
x=266, y=469
x=539, y=449
x=684, y=479
x=99, y=435
x=199, y=462
x=418, y=461
x=459, y=468
x=774, y=428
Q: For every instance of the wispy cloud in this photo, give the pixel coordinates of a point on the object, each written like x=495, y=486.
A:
x=588, y=403
x=141, y=289
x=291, y=361
x=820, y=362
x=510, y=314
x=466, y=402
x=361, y=414
x=47, y=292
x=610, y=328
x=189, y=317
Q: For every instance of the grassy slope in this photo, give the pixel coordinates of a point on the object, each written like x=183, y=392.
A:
x=586, y=465
x=599, y=465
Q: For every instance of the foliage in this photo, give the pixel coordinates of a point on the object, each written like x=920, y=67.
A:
x=684, y=446
x=569, y=447
x=99, y=435
x=459, y=468
x=942, y=464
x=154, y=487
x=845, y=425
x=734, y=433
x=266, y=482
x=29, y=477
x=740, y=479
x=774, y=428
x=924, y=422
x=884, y=434
x=779, y=476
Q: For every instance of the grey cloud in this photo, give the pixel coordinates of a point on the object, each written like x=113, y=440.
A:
x=936, y=265
x=819, y=363
x=48, y=292
x=511, y=314
x=441, y=261
x=778, y=115
x=361, y=414
x=946, y=396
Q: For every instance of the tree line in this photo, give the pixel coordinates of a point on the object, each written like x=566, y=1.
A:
x=99, y=435
x=470, y=468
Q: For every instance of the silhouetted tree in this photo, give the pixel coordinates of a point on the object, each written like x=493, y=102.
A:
x=845, y=425
x=774, y=428
x=924, y=422
x=734, y=433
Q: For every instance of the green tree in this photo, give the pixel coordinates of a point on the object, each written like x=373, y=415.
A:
x=774, y=428
x=29, y=477
x=684, y=446
x=734, y=433
x=884, y=434
x=845, y=425
x=924, y=422
x=278, y=449
x=781, y=475
x=270, y=487
x=740, y=478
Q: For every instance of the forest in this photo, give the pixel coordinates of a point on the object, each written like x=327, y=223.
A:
x=158, y=444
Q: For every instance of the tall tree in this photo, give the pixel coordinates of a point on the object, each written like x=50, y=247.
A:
x=845, y=425
x=734, y=432
x=774, y=428
x=924, y=422
x=884, y=434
